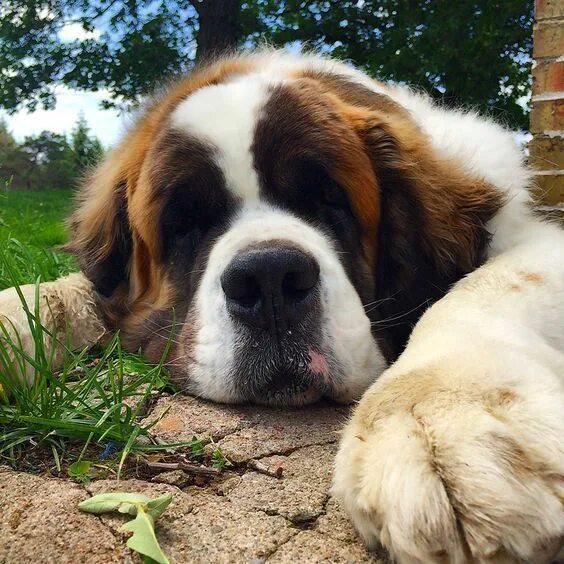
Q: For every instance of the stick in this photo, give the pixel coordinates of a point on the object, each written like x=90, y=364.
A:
x=261, y=467
x=188, y=468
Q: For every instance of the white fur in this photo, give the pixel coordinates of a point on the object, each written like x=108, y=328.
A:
x=456, y=473
x=225, y=116
x=346, y=328
x=67, y=310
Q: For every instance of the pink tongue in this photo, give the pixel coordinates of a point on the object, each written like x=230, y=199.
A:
x=317, y=363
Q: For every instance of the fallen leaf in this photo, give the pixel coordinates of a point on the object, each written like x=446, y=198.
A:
x=103, y=503
x=144, y=539
x=144, y=509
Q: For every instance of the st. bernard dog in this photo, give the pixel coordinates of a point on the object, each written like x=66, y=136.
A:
x=285, y=224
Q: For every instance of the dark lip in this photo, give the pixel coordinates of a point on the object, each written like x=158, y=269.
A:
x=302, y=399
x=287, y=388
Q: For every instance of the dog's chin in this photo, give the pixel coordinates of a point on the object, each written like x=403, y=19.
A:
x=287, y=389
x=289, y=398
x=277, y=386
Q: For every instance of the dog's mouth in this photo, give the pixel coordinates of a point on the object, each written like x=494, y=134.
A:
x=292, y=372
x=303, y=392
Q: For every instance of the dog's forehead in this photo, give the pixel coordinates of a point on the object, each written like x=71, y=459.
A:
x=225, y=116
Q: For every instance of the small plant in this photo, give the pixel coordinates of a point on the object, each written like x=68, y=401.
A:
x=144, y=510
x=219, y=461
x=196, y=446
x=85, y=402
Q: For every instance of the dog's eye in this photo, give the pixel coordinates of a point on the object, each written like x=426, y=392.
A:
x=332, y=194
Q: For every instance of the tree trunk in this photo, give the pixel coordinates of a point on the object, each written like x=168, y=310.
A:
x=218, y=27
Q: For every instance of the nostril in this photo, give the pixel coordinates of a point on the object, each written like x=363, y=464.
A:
x=241, y=288
x=298, y=284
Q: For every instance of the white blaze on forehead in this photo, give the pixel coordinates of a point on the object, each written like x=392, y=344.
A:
x=225, y=115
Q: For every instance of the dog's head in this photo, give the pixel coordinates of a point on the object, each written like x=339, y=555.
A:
x=280, y=225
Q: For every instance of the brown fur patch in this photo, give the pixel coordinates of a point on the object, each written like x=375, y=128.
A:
x=454, y=202
x=528, y=277
x=499, y=397
x=533, y=277
x=302, y=122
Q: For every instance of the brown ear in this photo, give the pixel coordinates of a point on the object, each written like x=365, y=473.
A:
x=433, y=220
x=100, y=236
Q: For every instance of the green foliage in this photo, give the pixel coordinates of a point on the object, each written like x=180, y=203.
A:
x=84, y=401
x=47, y=160
x=219, y=461
x=50, y=161
x=91, y=400
x=6, y=137
x=86, y=149
x=472, y=52
x=21, y=264
x=145, y=511
x=79, y=468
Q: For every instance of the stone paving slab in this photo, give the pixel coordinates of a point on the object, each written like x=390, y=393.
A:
x=300, y=495
x=246, y=515
x=40, y=522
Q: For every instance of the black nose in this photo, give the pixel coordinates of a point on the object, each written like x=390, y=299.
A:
x=271, y=287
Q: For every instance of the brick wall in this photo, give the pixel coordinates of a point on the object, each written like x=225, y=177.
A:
x=547, y=116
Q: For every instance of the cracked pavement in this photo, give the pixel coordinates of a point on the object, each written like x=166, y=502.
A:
x=247, y=514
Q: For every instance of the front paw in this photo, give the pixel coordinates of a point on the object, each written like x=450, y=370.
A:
x=444, y=470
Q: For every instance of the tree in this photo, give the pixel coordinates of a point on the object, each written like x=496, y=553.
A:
x=471, y=52
x=218, y=26
x=51, y=161
x=47, y=160
x=12, y=159
x=475, y=52
x=6, y=138
x=86, y=148
x=40, y=162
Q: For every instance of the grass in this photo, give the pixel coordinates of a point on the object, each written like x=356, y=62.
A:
x=31, y=227
x=65, y=421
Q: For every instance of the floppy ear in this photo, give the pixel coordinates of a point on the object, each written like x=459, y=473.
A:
x=433, y=220
x=100, y=235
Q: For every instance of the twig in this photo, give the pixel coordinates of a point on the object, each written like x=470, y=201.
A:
x=275, y=472
x=184, y=466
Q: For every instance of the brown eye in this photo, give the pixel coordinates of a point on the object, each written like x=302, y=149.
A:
x=333, y=194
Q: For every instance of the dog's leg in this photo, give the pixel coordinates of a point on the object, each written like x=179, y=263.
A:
x=67, y=310
x=456, y=454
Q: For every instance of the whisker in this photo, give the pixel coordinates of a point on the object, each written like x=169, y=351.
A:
x=399, y=316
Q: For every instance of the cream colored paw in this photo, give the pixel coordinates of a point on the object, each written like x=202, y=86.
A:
x=445, y=470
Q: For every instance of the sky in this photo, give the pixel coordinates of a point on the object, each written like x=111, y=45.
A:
x=105, y=124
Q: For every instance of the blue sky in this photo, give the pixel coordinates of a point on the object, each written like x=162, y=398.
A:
x=105, y=124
